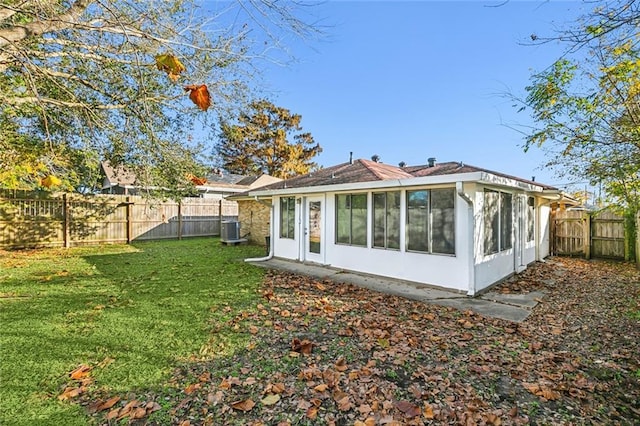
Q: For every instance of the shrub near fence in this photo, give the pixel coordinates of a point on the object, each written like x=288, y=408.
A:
x=65, y=220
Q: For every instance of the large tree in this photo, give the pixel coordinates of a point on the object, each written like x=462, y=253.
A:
x=586, y=106
x=85, y=80
x=267, y=138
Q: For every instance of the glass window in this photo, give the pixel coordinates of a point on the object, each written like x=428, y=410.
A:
x=491, y=213
x=498, y=221
x=287, y=217
x=431, y=221
x=418, y=220
x=351, y=219
x=506, y=221
x=386, y=220
x=343, y=219
x=531, y=219
x=442, y=221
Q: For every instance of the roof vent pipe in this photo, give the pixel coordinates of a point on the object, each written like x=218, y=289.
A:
x=350, y=157
x=431, y=162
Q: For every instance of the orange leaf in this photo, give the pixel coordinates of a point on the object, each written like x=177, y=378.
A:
x=341, y=364
x=321, y=388
x=409, y=409
x=70, y=392
x=199, y=95
x=344, y=404
x=113, y=414
x=191, y=388
x=171, y=65
x=312, y=413
x=243, y=405
x=108, y=403
x=304, y=347
x=428, y=411
x=81, y=372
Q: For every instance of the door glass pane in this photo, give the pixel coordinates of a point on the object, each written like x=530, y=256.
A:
x=417, y=220
x=314, y=227
x=442, y=221
x=359, y=220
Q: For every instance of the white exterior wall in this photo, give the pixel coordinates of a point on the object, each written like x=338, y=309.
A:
x=469, y=271
x=543, y=229
x=447, y=271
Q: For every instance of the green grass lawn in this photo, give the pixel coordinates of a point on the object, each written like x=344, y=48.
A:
x=131, y=312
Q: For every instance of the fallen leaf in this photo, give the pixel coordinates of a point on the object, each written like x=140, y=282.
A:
x=243, y=405
x=321, y=387
x=113, y=414
x=312, y=413
x=302, y=346
x=270, y=399
x=108, y=403
x=341, y=364
x=409, y=409
x=81, y=372
x=344, y=404
x=427, y=411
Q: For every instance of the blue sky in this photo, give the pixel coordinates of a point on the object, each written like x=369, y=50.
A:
x=413, y=80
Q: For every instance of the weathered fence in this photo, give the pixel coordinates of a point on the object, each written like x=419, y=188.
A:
x=597, y=234
x=65, y=220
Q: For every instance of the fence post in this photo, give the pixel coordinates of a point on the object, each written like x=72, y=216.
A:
x=638, y=239
x=552, y=232
x=587, y=235
x=180, y=219
x=220, y=217
x=129, y=219
x=65, y=221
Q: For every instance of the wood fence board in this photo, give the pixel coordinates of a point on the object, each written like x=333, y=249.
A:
x=45, y=219
x=600, y=234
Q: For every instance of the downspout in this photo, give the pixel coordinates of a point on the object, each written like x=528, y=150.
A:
x=471, y=249
x=271, y=242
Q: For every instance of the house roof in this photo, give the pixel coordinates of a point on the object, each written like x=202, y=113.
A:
x=217, y=180
x=119, y=175
x=361, y=171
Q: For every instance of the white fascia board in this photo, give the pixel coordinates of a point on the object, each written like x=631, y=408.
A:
x=380, y=184
x=491, y=179
x=218, y=189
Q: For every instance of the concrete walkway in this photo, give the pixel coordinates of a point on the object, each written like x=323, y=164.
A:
x=510, y=307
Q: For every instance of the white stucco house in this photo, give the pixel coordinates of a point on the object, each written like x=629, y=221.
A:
x=450, y=225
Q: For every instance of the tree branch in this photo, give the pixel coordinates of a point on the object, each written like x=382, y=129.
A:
x=69, y=19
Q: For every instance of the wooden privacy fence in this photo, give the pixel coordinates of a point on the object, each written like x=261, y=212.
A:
x=65, y=220
x=599, y=234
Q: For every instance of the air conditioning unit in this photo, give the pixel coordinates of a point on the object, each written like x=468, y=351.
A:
x=230, y=231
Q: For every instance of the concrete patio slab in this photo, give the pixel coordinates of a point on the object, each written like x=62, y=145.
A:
x=510, y=307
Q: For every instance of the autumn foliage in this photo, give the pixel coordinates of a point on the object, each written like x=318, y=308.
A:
x=330, y=353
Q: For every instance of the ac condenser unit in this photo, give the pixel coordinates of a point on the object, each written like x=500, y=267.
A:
x=230, y=231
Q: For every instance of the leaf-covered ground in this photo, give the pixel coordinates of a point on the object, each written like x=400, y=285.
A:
x=327, y=353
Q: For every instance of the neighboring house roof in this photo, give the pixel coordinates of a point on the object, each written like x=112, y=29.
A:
x=217, y=180
x=361, y=171
x=118, y=175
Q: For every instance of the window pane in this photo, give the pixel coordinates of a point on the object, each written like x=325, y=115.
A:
x=379, y=207
x=343, y=219
x=291, y=212
x=359, y=220
x=491, y=221
x=315, y=219
x=417, y=220
x=442, y=221
x=531, y=218
x=506, y=221
x=283, y=218
x=393, y=220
